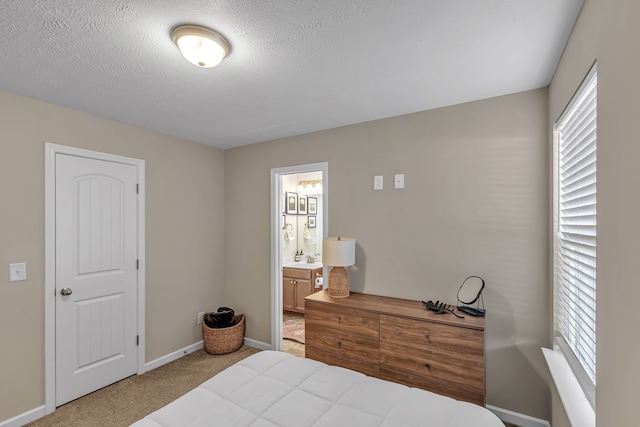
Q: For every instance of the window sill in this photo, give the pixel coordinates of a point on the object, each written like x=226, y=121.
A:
x=576, y=405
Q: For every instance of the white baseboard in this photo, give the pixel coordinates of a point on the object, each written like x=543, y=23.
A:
x=517, y=418
x=257, y=344
x=194, y=347
x=173, y=356
x=25, y=418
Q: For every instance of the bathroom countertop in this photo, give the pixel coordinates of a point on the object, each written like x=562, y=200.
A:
x=302, y=264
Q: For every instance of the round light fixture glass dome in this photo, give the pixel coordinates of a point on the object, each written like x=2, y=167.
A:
x=200, y=46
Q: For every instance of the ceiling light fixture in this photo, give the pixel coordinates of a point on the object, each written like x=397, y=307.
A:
x=200, y=46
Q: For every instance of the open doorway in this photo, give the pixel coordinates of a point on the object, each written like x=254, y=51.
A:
x=298, y=225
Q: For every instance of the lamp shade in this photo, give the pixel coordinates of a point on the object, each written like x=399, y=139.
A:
x=339, y=251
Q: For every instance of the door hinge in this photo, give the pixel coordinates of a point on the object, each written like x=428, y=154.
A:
x=137, y=188
x=137, y=339
x=137, y=264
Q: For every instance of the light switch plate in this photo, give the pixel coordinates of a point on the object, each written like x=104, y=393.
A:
x=399, y=180
x=378, y=182
x=17, y=272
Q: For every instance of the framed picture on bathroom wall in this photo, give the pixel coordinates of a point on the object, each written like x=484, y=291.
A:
x=311, y=220
x=312, y=205
x=302, y=205
x=292, y=203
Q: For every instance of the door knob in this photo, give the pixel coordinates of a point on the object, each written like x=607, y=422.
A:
x=65, y=291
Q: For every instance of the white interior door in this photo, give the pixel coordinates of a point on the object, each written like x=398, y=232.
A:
x=95, y=274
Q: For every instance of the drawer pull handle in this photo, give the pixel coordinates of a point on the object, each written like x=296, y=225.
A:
x=339, y=344
x=426, y=365
x=338, y=319
x=427, y=337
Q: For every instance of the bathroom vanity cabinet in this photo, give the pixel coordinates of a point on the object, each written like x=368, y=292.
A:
x=298, y=283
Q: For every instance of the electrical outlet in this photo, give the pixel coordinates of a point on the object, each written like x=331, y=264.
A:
x=200, y=316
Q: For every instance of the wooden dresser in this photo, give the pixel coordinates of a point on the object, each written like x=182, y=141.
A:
x=398, y=340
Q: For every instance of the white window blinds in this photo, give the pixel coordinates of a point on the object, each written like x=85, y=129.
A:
x=576, y=221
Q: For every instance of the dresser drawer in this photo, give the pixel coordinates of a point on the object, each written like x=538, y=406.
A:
x=342, y=360
x=360, y=347
x=425, y=383
x=343, y=320
x=450, y=354
x=343, y=332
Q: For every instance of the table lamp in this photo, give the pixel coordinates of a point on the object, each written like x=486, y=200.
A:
x=338, y=252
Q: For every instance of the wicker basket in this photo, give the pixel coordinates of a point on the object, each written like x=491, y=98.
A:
x=223, y=340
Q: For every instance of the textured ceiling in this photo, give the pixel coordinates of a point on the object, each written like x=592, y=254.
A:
x=296, y=66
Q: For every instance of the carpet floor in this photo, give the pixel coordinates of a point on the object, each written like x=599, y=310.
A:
x=131, y=399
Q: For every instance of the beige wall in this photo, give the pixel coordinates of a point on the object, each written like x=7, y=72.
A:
x=607, y=30
x=475, y=202
x=184, y=239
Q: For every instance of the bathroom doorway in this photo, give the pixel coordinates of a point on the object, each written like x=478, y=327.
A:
x=299, y=223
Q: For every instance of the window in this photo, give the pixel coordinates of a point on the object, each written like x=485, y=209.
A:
x=575, y=237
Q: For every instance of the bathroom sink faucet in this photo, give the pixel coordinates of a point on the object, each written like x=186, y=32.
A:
x=310, y=259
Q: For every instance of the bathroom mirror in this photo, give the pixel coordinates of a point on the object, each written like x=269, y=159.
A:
x=470, y=290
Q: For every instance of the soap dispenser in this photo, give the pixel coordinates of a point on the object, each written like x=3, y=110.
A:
x=297, y=258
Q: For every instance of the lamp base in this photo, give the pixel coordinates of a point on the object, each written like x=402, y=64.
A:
x=338, y=283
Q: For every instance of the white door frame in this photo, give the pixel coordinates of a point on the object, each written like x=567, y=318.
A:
x=51, y=150
x=276, y=241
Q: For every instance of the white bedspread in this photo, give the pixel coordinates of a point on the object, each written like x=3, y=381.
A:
x=272, y=388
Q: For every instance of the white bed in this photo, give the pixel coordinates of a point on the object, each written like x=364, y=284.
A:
x=272, y=388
